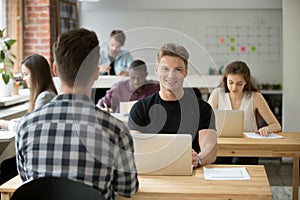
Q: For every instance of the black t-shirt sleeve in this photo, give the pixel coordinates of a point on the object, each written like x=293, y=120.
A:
x=207, y=116
x=137, y=116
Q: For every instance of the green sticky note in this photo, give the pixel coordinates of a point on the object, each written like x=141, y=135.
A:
x=253, y=48
x=232, y=39
x=232, y=49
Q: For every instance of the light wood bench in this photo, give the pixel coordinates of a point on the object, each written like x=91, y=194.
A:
x=8, y=188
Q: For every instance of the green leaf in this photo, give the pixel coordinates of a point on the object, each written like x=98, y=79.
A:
x=13, y=55
x=1, y=70
x=5, y=78
x=10, y=74
x=9, y=62
x=2, y=55
x=6, y=57
x=9, y=42
x=1, y=33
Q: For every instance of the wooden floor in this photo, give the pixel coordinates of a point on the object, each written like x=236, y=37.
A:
x=280, y=172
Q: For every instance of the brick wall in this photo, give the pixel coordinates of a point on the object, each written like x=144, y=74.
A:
x=39, y=27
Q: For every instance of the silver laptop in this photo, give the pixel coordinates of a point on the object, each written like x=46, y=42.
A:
x=125, y=107
x=229, y=123
x=163, y=154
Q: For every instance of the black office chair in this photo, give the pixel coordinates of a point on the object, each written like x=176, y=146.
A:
x=56, y=188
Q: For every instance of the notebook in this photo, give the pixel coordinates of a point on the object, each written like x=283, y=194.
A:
x=229, y=123
x=163, y=154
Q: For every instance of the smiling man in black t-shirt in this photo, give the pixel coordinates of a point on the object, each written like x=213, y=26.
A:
x=175, y=110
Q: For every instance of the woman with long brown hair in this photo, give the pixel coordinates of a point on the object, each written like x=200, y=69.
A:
x=37, y=75
x=237, y=92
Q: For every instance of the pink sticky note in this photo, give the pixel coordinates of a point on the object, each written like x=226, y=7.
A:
x=243, y=48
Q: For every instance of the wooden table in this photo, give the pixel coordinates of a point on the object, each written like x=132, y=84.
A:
x=289, y=146
x=187, y=187
x=195, y=187
x=9, y=187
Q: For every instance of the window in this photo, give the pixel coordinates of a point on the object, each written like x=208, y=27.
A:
x=11, y=19
x=2, y=14
x=67, y=15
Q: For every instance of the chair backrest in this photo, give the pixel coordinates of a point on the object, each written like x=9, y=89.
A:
x=58, y=188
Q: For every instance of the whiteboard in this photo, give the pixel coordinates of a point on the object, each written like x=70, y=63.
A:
x=206, y=33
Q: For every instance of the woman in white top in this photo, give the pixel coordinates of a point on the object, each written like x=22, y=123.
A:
x=238, y=93
x=37, y=75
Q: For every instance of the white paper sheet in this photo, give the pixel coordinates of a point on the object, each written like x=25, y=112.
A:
x=239, y=173
x=258, y=136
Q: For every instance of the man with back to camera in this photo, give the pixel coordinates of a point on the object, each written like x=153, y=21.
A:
x=135, y=88
x=71, y=137
x=114, y=60
x=172, y=110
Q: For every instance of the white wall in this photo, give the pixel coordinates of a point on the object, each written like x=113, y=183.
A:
x=129, y=14
x=187, y=4
x=291, y=65
x=149, y=24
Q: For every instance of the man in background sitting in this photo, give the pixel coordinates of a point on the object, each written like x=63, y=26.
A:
x=114, y=60
x=135, y=88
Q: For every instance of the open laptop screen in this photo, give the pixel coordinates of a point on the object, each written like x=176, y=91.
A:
x=163, y=154
x=229, y=123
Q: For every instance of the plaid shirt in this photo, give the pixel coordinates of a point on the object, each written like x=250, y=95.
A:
x=71, y=137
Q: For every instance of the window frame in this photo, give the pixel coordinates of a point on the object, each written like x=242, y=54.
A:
x=14, y=28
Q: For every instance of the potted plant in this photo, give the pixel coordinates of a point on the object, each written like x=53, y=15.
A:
x=6, y=64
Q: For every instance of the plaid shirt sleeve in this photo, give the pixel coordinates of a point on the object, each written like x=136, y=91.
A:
x=20, y=166
x=125, y=180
